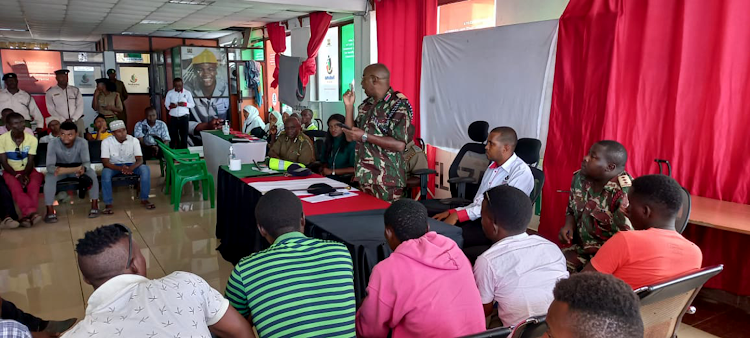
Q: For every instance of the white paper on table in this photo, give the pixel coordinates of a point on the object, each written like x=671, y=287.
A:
x=326, y=197
x=295, y=185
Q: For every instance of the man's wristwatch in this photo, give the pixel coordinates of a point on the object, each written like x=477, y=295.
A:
x=364, y=138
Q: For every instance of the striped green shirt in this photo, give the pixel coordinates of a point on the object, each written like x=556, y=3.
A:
x=299, y=287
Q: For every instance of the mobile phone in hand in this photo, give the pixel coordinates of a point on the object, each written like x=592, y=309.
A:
x=341, y=125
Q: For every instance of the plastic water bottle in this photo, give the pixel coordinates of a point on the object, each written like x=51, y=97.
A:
x=232, y=156
x=225, y=128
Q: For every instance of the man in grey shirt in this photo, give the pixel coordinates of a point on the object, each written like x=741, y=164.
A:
x=68, y=157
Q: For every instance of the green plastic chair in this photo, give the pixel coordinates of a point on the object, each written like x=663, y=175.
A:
x=184, y=168
x=169, y=162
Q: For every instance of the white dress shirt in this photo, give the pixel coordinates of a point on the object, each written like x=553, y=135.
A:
x=65, y=103
x=121, y=153
x=22, y=103
x=178, y=305
x=174, y=96
x=514, y=172
x=519, y=273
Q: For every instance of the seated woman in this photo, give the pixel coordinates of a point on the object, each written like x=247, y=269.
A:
x=101, y=132
x=274, y=126
x=337, y=159
x=253, y=123
x=107, y=101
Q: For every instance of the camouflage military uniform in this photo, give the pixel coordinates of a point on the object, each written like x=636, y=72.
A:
x=380, y=172
x=598, y=216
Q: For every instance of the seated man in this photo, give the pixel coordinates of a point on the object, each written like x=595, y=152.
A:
x=121, y=154
x=101, y=131
x=67, y=157
x=53, y=124
x=518, y=271
x=506, y=168
x=306, y=116
x=145, y=131
x=127, y=304
x=17, y=151
x=437, y=298
x=4, y=128
x=594, y=305
x=597, y=203
x=38, y=327
x=653, y=252
x=293, y=145
x=313, y=298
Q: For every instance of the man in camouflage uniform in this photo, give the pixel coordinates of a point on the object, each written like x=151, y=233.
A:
x=597, y=204
x=381, y=132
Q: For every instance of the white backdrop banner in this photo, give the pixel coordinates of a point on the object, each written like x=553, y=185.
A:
x=501, y=75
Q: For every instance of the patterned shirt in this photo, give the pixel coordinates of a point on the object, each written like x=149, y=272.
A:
x=389, y=117
x=179, y=305
x=143, y=129
x=598, y=216
x=13, y=329
x=299, y=287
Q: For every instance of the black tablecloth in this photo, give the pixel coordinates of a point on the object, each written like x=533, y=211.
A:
x=236, y=227
x=363, y=234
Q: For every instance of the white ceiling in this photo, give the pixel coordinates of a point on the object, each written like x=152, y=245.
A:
x=87, y=20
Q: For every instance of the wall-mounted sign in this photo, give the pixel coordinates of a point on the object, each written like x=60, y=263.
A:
x=35, y=68
x=84, y=78
x=135, y=79
x=133, y=58
x=328, y=67
x=347, y=57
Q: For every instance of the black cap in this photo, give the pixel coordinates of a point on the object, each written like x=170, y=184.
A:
x=10, y=76
x=62, y=72
x=111, y=71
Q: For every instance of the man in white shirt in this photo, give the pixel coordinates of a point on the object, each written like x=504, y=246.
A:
x=178, y=103
x=20, y=101
x=518, y=271
x=65, y=101
x=506, y=168
x=121, y=154
x=127, y=304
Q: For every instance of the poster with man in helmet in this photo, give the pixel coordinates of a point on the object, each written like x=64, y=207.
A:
x=204, y=73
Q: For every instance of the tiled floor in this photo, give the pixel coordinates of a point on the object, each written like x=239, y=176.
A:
x=39, y=273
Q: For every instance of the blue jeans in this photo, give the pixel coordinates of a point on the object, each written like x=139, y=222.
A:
x=142, y=171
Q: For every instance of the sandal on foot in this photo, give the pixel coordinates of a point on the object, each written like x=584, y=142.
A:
x=35, y=218
x=25, y=222
x=94, y=213
x=108, y=211
x=148, y=205
x=50, y=218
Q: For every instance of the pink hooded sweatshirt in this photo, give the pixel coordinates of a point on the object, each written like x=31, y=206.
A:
x=426, y=288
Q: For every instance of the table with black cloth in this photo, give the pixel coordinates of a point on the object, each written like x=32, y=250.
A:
x=363, y=234
x=355, y=221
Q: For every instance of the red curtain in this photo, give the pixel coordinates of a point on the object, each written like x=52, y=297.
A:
x=319, y=23
x=668, y=79
x=277, y=36
x=401, y=27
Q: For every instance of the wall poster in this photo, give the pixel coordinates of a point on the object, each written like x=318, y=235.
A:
x=328, y=67
x=35, y=68
x=135, y=79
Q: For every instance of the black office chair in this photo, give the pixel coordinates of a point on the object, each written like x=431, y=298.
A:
x=538, y=184
x=319, y=124
x=418, y=178
x=466, y=171
x=533, y=327
x=318, y=137
x=683, y=216
x=663, y=305
x=528, y=150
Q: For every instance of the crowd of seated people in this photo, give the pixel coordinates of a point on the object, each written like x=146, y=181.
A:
x=68, y=158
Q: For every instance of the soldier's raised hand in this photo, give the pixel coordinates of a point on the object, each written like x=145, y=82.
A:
x=349, y=98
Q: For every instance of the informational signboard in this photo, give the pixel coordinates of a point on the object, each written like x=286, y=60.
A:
x=133, y=58
x=347, y=57
x=328, y=67
x=84, y=77
x=466, y=15
x=35, y=68
x=135, y=79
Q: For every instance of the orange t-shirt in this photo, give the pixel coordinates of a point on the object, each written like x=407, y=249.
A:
x=646, y=257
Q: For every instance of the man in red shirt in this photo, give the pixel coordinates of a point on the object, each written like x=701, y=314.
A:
x=655, y=252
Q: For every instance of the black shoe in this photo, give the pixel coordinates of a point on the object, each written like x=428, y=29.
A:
x=82, y=193
x=57, y=327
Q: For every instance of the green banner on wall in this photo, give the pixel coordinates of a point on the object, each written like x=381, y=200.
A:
x=347, y=57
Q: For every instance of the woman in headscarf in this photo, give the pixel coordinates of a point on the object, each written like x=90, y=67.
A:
x=274, y=126
x=337, y=158
x=253, y=121
x=107, y=101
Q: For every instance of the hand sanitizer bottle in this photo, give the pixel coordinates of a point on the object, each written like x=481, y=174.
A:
x=225, y=128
